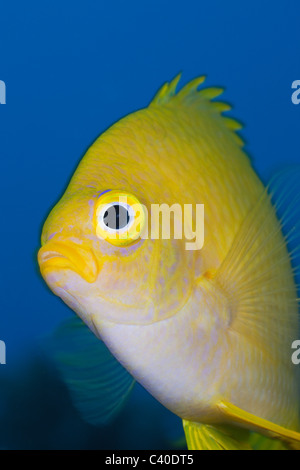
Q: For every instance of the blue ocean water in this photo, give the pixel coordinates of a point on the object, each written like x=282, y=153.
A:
x=72, y=69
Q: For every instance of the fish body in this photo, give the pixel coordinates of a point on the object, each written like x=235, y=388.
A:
x=197, y=328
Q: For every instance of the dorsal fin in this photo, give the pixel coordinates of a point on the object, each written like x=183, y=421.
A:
x=190, y=93
x=166, y=92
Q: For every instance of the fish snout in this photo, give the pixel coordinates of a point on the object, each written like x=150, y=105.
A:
x=54, y=256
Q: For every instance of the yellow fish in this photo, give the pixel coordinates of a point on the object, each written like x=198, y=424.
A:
x=208, y=331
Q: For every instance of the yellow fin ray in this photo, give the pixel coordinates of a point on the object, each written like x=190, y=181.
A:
x=191, y=88
x=215, y=437
x=271, y=430
x=221, y=106
x=166, y=92
x=227, y=437
x=211, y=93
x=233, y=124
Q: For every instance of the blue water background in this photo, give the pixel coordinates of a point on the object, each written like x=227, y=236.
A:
x=71, y=70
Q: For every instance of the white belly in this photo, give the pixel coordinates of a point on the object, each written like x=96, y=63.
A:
x=180, y=361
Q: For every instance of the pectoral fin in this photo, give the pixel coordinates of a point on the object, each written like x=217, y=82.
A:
x=263, y=426
x=98, y=384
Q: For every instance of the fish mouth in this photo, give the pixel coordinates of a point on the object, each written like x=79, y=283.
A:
x=55, y=256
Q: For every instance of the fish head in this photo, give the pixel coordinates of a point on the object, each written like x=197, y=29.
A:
x=104, y=258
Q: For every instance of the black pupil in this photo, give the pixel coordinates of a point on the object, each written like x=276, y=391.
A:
x=116, y=217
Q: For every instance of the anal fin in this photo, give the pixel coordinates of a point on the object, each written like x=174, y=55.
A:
x=215, y=437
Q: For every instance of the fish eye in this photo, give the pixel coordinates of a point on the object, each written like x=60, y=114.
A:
x=119, y=217
x=116, y=216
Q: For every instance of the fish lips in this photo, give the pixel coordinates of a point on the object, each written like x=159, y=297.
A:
x=56, y=255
